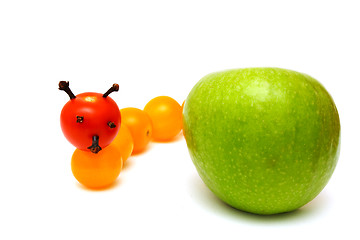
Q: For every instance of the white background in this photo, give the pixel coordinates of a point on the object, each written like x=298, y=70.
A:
x=153, y=48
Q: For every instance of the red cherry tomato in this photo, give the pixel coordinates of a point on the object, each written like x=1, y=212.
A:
x=90, y=121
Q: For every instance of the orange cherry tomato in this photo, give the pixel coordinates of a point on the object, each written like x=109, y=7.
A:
x=140, y=126
x=124, y=142
x=97, y=170
x=182, y=111
x=166, y=117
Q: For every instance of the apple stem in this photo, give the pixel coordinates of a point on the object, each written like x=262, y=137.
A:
x=114, y=88
x=95, y=148
x=64, y=86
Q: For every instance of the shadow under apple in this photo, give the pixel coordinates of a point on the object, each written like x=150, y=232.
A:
x=200, y=193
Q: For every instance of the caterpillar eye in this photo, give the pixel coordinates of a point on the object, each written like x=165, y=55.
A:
x=111, y=124
x=79, y=119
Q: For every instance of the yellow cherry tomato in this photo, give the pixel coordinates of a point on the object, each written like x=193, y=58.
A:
x=182, y=116
x=166, y=117
x=124, y=142
x=140, y=126
x=97, y=170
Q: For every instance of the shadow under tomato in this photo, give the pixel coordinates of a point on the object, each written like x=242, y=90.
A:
x=115, y=184
x=204, y=197
x=147, y=148
x=128, y=164
x=177, y=138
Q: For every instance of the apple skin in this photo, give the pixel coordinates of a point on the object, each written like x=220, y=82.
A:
x=264, y=140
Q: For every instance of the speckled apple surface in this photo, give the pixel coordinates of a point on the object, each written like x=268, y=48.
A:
x=264, y=140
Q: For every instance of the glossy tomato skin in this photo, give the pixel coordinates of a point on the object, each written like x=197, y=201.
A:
x=96, y=111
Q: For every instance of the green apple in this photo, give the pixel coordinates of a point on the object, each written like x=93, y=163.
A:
x=264, y=140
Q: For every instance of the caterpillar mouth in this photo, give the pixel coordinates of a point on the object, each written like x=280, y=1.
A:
x=95, y=148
